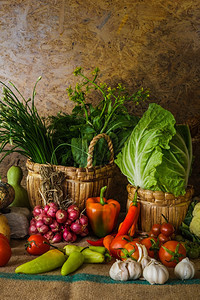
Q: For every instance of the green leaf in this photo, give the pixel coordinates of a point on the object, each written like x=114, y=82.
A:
x=79, y=148
x=97, y=123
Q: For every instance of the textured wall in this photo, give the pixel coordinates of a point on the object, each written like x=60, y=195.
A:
x=154, y=44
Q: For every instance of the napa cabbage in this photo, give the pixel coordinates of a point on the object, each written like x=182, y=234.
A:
x=158, y=153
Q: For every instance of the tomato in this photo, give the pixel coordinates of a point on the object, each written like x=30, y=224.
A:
x=151, y=243
x=163, y=238
x=171, y=253
x=2, y=236
x=37, y=244
x=130, y=250
x=167, y=229
x=117, y=243
x=155, y=229
x=5, y=252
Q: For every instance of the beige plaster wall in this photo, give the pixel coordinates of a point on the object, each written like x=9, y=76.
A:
x=149, y=43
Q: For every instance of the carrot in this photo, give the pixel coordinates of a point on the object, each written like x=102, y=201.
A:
x=133, y=226
x=130, y=217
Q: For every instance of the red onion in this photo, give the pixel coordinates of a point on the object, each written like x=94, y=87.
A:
x=43, y=229
x=47, y=220
x=69, y=236
x=32, y=229
x=61, y=216
x=54, y=226
x=49, y=235
x=84, y=232
x=72, y=207
x=39, y=217
x=46, y=208
x=53, y=205
x=68, y=222
x=83, y=220
x=73, y=214
x=39, y=223
x=37, y=210
x=57, y=238
x=76, y=227
x=32, y=221
x=52, y=211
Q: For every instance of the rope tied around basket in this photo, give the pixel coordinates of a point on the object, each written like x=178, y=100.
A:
x=92, y=145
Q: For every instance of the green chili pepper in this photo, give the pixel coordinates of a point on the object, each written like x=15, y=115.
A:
x=99, y=249
x=46, y=262
x=74, y=261
x=90, y=256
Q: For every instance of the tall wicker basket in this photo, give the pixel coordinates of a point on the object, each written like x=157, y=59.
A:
x=156, y=203
x=78, y=183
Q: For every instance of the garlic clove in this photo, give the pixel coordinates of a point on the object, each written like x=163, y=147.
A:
x=144, y=262
x=134, y=269
x=140, y=249
x=185, y=269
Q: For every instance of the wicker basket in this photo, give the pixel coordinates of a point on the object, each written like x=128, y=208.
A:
x=78, y=183
x=156, y=203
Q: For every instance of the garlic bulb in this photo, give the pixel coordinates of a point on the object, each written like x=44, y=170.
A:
x=119, y=271
x=155, y=272
x=185, y=269
x=125, y=270
x=134, y=269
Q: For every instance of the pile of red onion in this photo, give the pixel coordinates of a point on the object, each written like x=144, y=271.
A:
x=57, y=224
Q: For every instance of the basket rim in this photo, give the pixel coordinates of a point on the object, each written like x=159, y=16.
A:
x=29, y=163
x=141, y=191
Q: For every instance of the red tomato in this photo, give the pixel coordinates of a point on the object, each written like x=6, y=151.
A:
x=117, y=243
x=130, y=250
x=151, y=243
x=2, y=236
x=37, y=244
x=167, y=229
x=155, y=229
x=163, y=238
x=5, y=252
x=171, y=253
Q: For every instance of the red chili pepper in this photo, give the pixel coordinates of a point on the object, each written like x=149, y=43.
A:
x=130, y=217
x=99, y=242
x=133, y=226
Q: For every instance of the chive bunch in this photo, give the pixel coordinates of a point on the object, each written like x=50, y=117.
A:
x=22, y=128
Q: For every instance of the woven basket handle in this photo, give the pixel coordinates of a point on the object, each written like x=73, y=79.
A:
x=91, y=148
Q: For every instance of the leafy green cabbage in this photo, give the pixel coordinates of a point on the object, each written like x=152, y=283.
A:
x=158, y=154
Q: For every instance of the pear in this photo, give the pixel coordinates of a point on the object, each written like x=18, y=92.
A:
x=14, y=176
